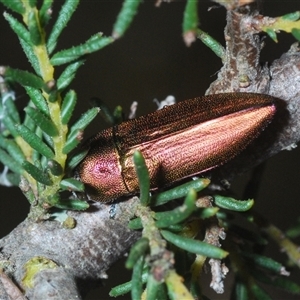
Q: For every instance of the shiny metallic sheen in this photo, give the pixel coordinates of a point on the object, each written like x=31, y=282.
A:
x=178, y=141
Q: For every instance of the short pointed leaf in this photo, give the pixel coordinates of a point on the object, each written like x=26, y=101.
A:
x=42, y=121
x=45, y=12
x=232, y=204
x=68, y=106
x=125, y=17
x=85, y=119
x=15, y=151
x=27, y=49
x=190, y=21
x=136, y=290
x=194, y=246
x=37, y=173
x=18, y=28
x=54, y=167
x=73, y=140
x=68, y=74
x=72, y=184
x=296, y=33
x=34, y=141
x=64, y=16
x=15, y=5
x=143, y=177
x=72, y=204
x=34, y=29
x=211, y=43
x=95, y=43
x=11, y=163
x=136, y=251
x=38, y=99
x=76, y=159
x=11, y=109
x=10, y=125
x=179, y=214
x=104, y=110
x=179, y=191
x=24, y=78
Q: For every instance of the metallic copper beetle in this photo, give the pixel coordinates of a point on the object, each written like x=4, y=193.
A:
x=177, y=141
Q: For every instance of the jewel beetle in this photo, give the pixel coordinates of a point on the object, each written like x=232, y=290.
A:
x=178, y=141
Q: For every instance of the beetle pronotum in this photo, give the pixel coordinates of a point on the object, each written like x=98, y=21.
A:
x=178, y=141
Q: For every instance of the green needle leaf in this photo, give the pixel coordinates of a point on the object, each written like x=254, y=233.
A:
x=10, y=125
x=143, y=177
x=16, y=5
x=68, y=74
x=55, y=168
x=38, y=99
x=232, y=204
x=72, y=204
x=135, y=224
x=190, y=21
x=27, y=49
x=37, y=173
x=18, y=28
x=266, y=263
x=104, y=110
x=11, y=109
x=296, y=33
x=179, y=214
x=72, y=184
x=152, y=288
x=34, y=29
x=137, y=272
x=241, y=291
x=34, y=141
x=25, y=40
x=211, y=43
x=126, y=287
x=45, y=12
x=11, y=163
x=179, y=191
x=76, y=159
x=22, y=77
x=42, y=121
x=95, y=43
x=74, y=138
x=294, y=16
x=85, y=119
x=64, y=16
x=118, y=115
x=136, y=251
x=278, y=282
x=14, y=150
x=272, y=34
x=208, y=212
x=194, y=246
x=68, y=106
x=125, y=17
x=259, y=293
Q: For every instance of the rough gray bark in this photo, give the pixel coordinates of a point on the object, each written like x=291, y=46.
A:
x=88, y=250
x=82, y=253
x=243, y=72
